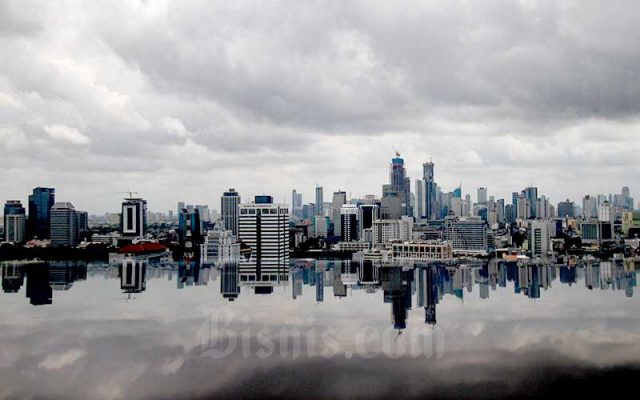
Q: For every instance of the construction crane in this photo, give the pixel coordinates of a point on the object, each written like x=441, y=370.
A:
x=130, y=193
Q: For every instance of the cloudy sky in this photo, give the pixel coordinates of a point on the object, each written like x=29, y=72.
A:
x=180, y=100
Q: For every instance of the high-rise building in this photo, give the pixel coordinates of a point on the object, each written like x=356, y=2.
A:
x=40, y=203
x=467, y=235
x=429, y=191
x=589, y=207
x=264, y=228
x=482, y=195
x=320, y=226
x=229, y=206
x=203, y=211
x=399, y=182
x=64, y=224
x=349, y=223
x=14, y=222
x=296, y=203
x=539, y=237
x=386, y=230
x=566, y=209
x=367, y=213
x=319, y=201
x=339, y=199
x=180, y=207
x=604, y=212
x=531, y=193
x=133, y=221
x=419, y=210
x=189, y=227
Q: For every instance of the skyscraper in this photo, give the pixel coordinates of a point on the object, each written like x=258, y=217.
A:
x=229, y=205
x=396, y=195
x=296, y=203
x=482, y=195
x=339, y=199
x=566, y=209
x=133, y=221
x=367, y=214
x=429, y=205
x=264, y=228
x=40, y=203
x=64, y=228
x=319, y=201
x=349, y=223
x=14, y=222
x=531, y=193
x=419, y=210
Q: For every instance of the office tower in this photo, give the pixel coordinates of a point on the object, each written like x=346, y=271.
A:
x=83, y=222
x=386, y=230
x=531, y=193
x=319, y=201
x=482, y=195
x=229, y=206
x=419, y=209
x=604, y=212
x=64, y=224
x=589, y=207
x=392, y=205
x=500, y=210
x=349, y=223
x=400, y=183
x=457, y=192
x=203, y=211
x=296, y=203
x=523, y=207
x=264, y=228
x=539, y=237
x=40, y=203
x=566, y=209
x=510, y=213
x=189, y=227
x=180, y=207
x=627, y=200
x=429, y=189
x=514, y=198
x=467, y=235
x=321, y=226
x=133, y=221
x=542, y=207
x=14, y=222
x=339, y=199
x=367, y=213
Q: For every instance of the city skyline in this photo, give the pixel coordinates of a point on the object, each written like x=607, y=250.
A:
x=497, y=95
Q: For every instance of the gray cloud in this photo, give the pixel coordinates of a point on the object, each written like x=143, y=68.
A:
x=266, y=97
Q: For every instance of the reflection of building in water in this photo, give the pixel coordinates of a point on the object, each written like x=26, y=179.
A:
x=133, y=276
x=62, y=276
x=12, y=277
x=368, y=275
x=38, y=290
x=396, y=284
x=192, y=273
x=428, y=292
x=319, y=283
x=339, y=288
x=42, y=279
x=230, y=280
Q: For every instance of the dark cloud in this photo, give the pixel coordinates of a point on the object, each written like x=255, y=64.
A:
x=530, y=91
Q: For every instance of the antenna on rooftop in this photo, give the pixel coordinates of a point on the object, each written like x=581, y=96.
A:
x=130, y=193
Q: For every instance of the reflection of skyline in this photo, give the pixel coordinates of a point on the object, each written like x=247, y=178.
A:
x=42, y=279
x=430, y=283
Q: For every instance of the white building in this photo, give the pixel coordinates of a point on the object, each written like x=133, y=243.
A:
x=387, y=230
x=604, y=212
x=220, y=246
x=134, y=217
x=539, y=234
x=264, y=228
x=466, y=235
x=421, y=251
x=349, y=222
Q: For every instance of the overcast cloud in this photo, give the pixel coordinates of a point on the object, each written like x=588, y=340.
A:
x=180, y=100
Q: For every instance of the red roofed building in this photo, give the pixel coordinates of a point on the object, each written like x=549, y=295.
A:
x=152, y=253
